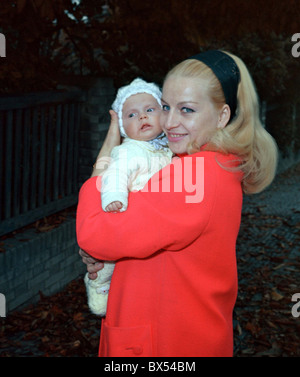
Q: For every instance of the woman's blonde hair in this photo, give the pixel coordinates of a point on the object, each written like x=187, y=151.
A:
x=244, y=136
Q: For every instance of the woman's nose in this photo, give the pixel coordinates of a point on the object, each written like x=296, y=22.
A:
x=169, y=120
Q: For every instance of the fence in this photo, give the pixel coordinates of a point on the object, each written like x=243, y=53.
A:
x=55, y=138
x=39, y=151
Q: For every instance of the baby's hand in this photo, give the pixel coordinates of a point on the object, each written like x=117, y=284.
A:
x=114, y=207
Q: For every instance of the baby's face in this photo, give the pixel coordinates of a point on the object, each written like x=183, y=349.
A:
x=141, y=117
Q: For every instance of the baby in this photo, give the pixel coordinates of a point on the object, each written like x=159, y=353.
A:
x=143, y=152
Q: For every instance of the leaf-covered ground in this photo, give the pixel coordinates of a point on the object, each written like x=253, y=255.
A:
x=268, y=255
x=60, y=325
x=268, y=278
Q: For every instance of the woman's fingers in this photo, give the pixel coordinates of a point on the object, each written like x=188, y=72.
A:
x=93, y=265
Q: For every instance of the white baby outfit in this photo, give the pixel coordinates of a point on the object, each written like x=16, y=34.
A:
x=133, y=163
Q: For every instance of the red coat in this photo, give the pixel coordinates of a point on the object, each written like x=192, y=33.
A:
x=175, y=282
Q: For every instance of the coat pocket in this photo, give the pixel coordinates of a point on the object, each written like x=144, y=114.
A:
x=125, y=341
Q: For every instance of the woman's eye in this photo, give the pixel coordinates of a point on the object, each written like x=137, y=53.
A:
x=187, y=110
x=166, y=108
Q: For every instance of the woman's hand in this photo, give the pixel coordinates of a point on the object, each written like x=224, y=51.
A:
x=93, y=265
x=112, y=139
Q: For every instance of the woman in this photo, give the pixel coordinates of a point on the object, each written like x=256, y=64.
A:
x=175, y=282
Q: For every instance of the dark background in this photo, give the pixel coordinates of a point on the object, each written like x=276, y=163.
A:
x=126, y=38
x=49, y=41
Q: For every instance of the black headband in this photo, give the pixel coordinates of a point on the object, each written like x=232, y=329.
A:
x=227, y=72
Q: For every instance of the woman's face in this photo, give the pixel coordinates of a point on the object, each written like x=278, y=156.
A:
x=188, y=113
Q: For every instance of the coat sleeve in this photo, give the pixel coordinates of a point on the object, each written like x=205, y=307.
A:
x=166, y=214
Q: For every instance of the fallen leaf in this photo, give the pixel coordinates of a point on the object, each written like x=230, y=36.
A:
x=276, y=296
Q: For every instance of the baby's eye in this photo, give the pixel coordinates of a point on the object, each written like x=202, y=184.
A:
x=131, y=115
x=150, y=110
x=187, y=110
x=166, y=108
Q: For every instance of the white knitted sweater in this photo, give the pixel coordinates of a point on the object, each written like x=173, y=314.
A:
x=133, y=164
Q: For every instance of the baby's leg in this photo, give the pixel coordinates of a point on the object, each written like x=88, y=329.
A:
x=97, y=290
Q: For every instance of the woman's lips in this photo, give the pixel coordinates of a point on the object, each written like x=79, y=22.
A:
x=173, y=137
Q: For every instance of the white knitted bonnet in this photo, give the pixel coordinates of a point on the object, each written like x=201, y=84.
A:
x=136, y=86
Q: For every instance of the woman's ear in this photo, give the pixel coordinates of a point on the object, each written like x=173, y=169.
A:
x=224, y=116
